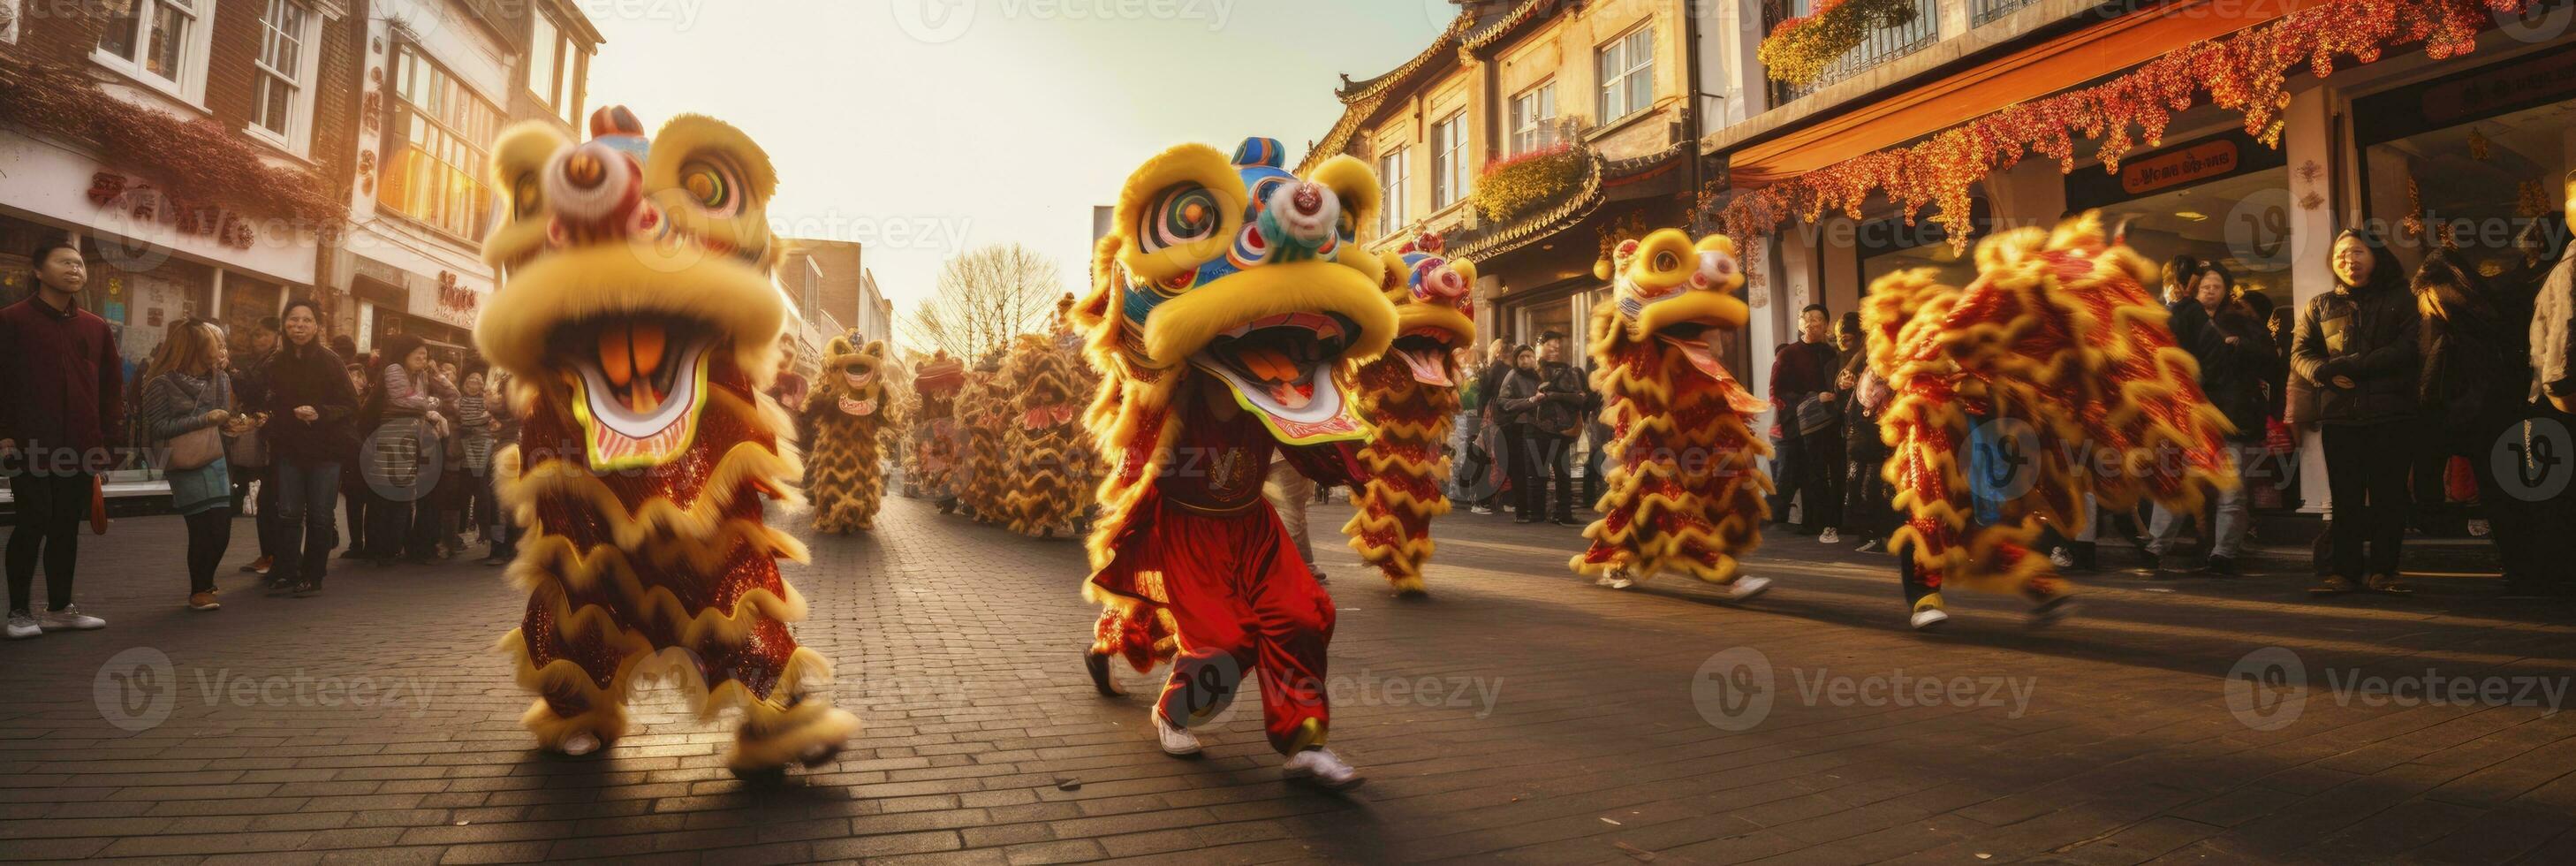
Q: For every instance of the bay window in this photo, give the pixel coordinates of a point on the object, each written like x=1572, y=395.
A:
x=435, y=147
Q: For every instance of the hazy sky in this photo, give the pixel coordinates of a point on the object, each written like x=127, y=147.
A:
x=924, y=127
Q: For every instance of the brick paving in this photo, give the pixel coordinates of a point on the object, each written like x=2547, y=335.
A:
x=1519, y=716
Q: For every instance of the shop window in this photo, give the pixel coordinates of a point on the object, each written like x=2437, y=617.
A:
x=2475, y=158
x=2223, y=199
x=1533, y=113
x=1395, y=183
x=1449, y=160
x=1886, y=246
x=1627, y=71
x=161, y=43
x=435, y=162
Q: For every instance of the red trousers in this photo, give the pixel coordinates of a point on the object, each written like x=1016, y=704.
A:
x=1243, y=600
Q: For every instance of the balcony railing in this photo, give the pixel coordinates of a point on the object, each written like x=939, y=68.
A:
x=1876, y=49
x=1983, y=12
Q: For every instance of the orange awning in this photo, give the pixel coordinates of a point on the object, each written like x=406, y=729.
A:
x=2039, y=70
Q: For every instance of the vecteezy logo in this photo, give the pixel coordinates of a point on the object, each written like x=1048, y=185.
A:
x=934, y=21
x=2004, y=459
x=1734, y=689
x=2534, y=460
x=136, y=689
x=2267, y=689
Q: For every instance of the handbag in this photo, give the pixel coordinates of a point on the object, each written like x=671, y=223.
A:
x=195, y=449
x=248, y=450
x=1815, y=414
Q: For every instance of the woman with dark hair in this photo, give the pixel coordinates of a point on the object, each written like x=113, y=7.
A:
x=2473, y=387
x=311, y=411
x=355, y=496
x=2358, y=349
x=62, y=396
x=2233, y=375
x=405, y=520
x=185, y=391
x=1515, y=407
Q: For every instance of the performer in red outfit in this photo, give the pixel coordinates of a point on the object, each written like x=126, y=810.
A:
x=1229, y=308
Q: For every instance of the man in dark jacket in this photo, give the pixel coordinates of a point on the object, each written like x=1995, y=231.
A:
x=1554, y=417
x=250, y=389
x=2357, y=347
x=62, y=388
x=2236, y=362
x=1802, y=390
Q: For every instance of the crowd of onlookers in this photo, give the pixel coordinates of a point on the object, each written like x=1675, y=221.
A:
x=287, y=423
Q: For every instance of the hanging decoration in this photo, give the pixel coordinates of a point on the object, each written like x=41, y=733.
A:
x=2477, y=145
x=2531, y=199
x=2413, y=225
x=2247, y=73
x=1510, y=188
x=1800, y=49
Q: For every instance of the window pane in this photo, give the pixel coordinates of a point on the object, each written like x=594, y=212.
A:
x=543, y=78
x=169, y=40
x=118, y=36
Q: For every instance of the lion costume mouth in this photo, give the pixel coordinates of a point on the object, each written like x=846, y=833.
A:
x=1691, y=339
x=640, y=386
x=1281, y=367
x=1425, y=352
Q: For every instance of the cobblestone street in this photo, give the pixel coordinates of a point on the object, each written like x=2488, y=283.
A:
x=1520, y=714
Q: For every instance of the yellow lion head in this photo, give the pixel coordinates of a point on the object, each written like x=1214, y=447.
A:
x=1434, y=308
x=1664, y=287
x=638, y=277
x=853, y=378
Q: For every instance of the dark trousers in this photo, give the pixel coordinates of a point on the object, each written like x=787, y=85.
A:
x=264, y=523
x=1592, y=470
x=358, y=503
x=1815, y=458
x=2366, y=467
x=210, y=532
x=1545, y=457
x=2529, y=527
x=50, y=506
x=1867, y=504
x=305, y=534
x=404, y=523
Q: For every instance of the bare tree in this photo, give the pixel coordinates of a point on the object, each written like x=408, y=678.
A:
x=985, y=297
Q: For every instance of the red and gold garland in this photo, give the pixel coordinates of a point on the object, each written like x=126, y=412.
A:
x=2247, y=72
x=1799, y=49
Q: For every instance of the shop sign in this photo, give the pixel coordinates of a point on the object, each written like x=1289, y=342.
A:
x=2198, y=162
x=2546, y=79
x=141, y=201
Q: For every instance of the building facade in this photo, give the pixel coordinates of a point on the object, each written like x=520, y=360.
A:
x=1530, y=134
x=440, y=80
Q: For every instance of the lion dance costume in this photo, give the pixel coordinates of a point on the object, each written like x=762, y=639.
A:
x=1411, y=395
x=1051, y=473
x=1227, y=305
x=2055, y=353
x=982, y=475
x=845, y=416
x=641, y=328
x=930, y=460
x=1683, y=485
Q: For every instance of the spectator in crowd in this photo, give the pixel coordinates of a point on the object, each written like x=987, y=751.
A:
x=498, y=525
x=62, y=388
x=475, y=429
x=1499, y=363
x=1868, y=506
x=1466, y=469
x=2357, y=348
x=407, y=434
x=1514, y=406
x=356, y=495
x=1811, y=438
x=250, y=391
x=1554, y=395
x=312, y=410
x=2476, y=380
x=187, y=402
x=2553, y=385
x=2233, y=372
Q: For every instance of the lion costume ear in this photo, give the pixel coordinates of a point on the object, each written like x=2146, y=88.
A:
x=519, y=162
x=712, y=180
x=839, y=345
x=875, y=349
x=1179, y=209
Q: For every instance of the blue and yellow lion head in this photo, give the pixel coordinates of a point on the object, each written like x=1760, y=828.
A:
x=1240, y=269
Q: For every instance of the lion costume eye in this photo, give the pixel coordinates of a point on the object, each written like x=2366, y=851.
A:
x=525, y=199
x=712, y=186
x=1183, y=214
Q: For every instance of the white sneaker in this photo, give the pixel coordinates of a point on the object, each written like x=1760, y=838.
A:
x=1829, y=536
x=70, y=619
x=1323, y=768
x=1480, y=510
x=1177, y=742
x=1747, y=587
x=1614, y=580
x=580, y=744
x=22, y=625
x=1929, y=618
x=2061, y=557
